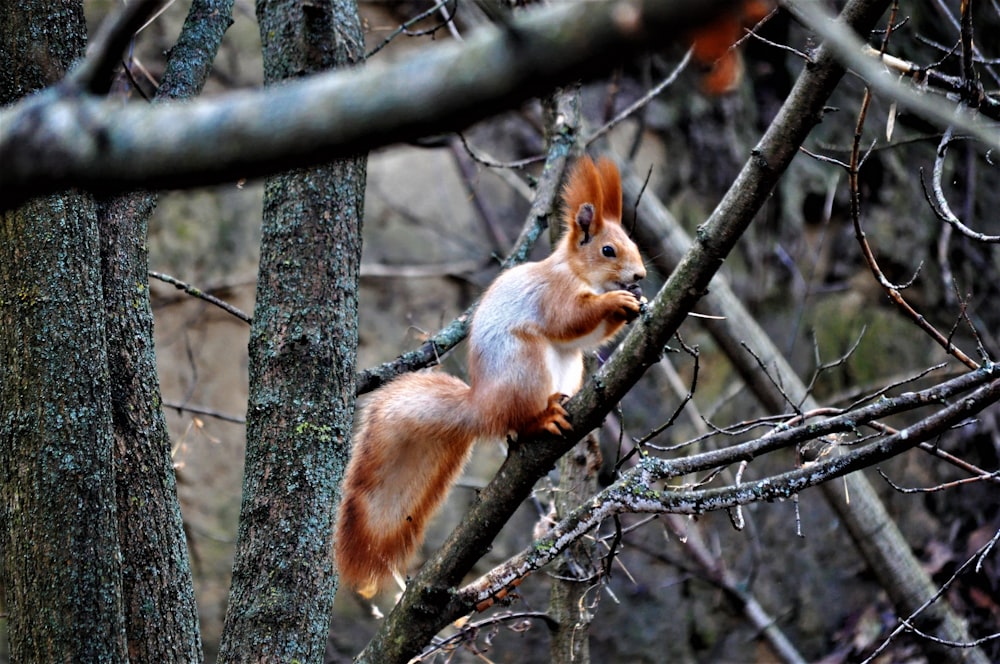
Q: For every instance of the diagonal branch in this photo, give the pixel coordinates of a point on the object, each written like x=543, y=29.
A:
x=428, y=603
x=95, y=73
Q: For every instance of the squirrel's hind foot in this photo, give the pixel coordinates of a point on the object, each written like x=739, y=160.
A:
x=554, y=418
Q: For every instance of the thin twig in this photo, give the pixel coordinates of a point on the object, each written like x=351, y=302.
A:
x=642, y=101
x=939, y=487
x=928, y=76
x=906, y=624
x=940, y=204
x=891, y=289
x=850, y=51
x=404, y=28
x=490, y=162
x=202, y=410
x=197, y=292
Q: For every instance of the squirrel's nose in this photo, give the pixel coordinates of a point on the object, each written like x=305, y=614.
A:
x=638, y=276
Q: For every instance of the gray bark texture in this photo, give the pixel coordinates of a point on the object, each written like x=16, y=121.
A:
x=61, y=565
x=302, y=365
x=161, y=615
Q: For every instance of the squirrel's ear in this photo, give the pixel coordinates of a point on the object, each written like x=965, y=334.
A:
x=584, y=202
x=584, y=218
x=611, y=189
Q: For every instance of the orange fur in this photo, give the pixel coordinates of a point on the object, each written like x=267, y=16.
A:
x=525, y=357
x=413, y=439
x=712, y=45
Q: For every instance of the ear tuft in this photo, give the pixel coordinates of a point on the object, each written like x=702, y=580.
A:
x=583, y=188
x=611, y=189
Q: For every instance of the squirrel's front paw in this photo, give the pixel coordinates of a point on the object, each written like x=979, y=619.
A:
x=627, y=304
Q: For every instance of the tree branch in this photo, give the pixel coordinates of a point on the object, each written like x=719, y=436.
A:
x=851, y=50
x=95, y=73
x=52, y=142
x=634, y=492
x=199, y=293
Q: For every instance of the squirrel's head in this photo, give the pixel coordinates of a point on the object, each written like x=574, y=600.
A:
x=601, y=252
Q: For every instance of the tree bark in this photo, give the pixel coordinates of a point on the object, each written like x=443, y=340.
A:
x=575, y=574
x=61, y=565
x=302, y=364
x=161, y=616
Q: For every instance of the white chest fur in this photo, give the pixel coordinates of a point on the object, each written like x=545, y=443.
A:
x=565, y=366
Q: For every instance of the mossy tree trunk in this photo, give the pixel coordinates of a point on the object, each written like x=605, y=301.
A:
x=161, y=616
x=302, y=364
x=61, y=565
x=74, y=280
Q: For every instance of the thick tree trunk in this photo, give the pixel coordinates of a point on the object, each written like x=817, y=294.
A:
x=161, y=617
x=302, y=363
x=61, y=566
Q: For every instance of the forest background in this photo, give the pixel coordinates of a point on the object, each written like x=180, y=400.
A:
x=440, y=214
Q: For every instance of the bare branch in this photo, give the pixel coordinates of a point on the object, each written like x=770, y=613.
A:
x=850, y=50
x=644, y=100
x=490, y=162
x=404, y=28
x=940, y=203
x=634, y=491
x=197, y=292
x=95, y=73
x=930, y=77
x=986, y=477
x=891, y=289
x=906, y=624
x=202, y=410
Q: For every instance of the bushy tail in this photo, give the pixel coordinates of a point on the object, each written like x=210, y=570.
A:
x=414, y=437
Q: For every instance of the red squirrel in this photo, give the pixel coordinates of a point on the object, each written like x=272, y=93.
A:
x=525, y=358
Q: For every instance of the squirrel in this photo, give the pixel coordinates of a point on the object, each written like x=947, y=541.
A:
x=526, y=348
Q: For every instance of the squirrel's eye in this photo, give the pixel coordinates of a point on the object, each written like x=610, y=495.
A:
x=608, y=251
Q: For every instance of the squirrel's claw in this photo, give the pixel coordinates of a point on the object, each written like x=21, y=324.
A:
x=554, y=418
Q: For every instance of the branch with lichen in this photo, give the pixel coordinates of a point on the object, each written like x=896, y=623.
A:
x=635, y=491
